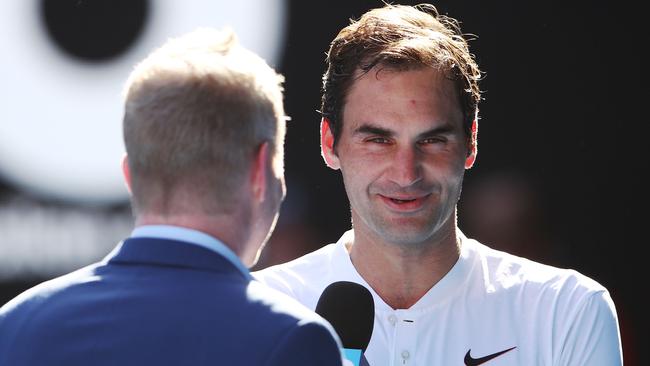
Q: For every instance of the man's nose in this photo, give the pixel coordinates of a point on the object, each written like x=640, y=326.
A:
x=405, y=168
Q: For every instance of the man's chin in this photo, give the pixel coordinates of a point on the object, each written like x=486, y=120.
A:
x=405, y=235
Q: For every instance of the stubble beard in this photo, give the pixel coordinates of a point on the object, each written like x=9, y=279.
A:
x=409, y=231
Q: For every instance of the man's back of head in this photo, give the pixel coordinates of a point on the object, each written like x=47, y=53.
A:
x=196, y=110
x=198, y=113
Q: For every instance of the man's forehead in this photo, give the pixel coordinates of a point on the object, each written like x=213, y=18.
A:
x=391, y=83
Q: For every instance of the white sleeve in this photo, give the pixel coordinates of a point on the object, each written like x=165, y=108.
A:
x=271, y=279
x=593, y=337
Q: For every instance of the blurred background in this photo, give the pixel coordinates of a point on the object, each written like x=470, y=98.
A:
x=560, y=175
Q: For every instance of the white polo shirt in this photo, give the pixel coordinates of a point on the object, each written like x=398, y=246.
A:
x=491, y=308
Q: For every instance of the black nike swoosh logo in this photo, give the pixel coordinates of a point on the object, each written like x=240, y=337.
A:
x=470, y=361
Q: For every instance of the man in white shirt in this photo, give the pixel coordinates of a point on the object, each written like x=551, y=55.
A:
x=400, y=121
x=204, y=131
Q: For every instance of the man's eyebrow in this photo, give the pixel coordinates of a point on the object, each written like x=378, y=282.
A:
x=440, y=130
x=368, y=129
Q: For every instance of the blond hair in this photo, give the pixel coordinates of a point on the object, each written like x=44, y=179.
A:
x=196, y=110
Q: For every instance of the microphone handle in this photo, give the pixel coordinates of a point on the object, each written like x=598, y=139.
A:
x=364, y=361
x=356, y=356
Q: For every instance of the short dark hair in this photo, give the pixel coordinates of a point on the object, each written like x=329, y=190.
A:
x=399, y=37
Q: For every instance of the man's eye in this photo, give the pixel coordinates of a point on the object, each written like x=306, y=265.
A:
x=432, y=140
x=378, y=140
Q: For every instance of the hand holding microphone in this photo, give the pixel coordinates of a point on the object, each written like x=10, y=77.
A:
x=350, y=309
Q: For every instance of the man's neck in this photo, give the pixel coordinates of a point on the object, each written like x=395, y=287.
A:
x=402, y=274
x=217, y=226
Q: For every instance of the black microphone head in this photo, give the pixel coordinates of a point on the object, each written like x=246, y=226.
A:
x=349, y=307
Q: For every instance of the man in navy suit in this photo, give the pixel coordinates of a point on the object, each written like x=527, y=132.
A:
x=204, y=130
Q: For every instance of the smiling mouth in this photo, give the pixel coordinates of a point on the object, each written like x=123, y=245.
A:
x=404, y=204
x=398, y=201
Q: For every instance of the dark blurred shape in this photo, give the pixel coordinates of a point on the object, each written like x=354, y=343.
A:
x=294, y=235
x=505, y=211
x=96, y=30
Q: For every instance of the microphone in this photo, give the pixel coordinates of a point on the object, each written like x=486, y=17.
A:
x=350, y=309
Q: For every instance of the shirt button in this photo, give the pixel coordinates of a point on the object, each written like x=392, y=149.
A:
x=405, y=354
x=392, y=319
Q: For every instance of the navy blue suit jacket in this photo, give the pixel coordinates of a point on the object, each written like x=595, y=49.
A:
x=161, y=302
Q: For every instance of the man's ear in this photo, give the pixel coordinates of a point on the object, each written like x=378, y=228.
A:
x=472, y=149
x=327, y=145
x=126, y=171
x=259, y=171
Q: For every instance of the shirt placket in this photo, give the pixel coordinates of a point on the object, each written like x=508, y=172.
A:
x=405, y=338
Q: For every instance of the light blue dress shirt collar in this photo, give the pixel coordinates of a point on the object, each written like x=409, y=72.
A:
x=193, y=237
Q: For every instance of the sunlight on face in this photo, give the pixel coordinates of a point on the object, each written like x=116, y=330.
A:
x=402, y=154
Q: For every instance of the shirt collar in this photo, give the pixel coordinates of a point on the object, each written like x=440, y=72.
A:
x=191, y=236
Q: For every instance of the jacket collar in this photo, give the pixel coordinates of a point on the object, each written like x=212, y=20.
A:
x=173, y=253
